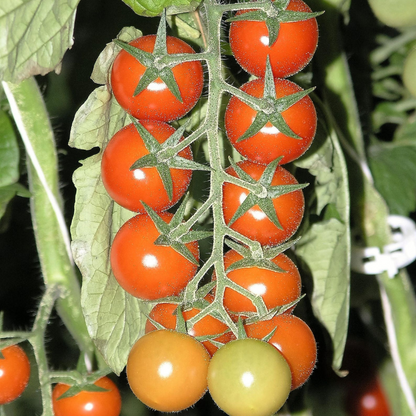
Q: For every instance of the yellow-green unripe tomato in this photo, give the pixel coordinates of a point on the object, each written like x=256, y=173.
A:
x=249, y=377
x=409, y=72
x=395, y=13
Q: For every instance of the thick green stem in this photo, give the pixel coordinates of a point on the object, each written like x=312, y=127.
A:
x=52, y=238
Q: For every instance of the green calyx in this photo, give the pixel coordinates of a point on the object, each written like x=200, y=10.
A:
x=265, y=202
x=275, y=14
x=273, y=108
x=156, y=63
x=251, y=260
x=162, y=157
x=169, y=235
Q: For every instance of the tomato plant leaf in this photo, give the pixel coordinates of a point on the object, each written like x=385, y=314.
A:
x=393, y=166
x=325, y=245
x=24, y=49
x=113, y=317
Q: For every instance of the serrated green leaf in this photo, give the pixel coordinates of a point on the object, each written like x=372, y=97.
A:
x=154, y=8
x=325, y=246
x=34, y=36
x=113, y=316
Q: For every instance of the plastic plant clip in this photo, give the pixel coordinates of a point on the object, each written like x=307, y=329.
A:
x=392, y=257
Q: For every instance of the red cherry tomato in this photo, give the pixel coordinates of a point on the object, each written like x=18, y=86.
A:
x=88, y=403
x=167, y=370
x=294, y=47
x=269, y=143
x=276, y=289
x=129, y=187
x=367, y=399
x=208, y=325
x=294, y=339
x=156, y=102
x=254, y=224
x=14, y=373
x=145, y=270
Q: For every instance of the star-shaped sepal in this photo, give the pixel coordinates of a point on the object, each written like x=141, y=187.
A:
x=173, y=235
x=273, y=108
x=155, y=62
x=163, y=157
x=265, y=199
x=273, y=16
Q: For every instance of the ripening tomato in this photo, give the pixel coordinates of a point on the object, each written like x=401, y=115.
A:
x=145, y=270
x=88, y=403
x=14, y=373
x=130, y=187
x=167, y=370
x=254, y=224
x=208, y=325
x=292, y=51
x=156, y=102
x=276, y=288
x=248, y=377
x=269, y=143
x=294, y=339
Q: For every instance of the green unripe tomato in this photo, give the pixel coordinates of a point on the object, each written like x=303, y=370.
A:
x=249, y=377
x=409, y=72
x=395, y=13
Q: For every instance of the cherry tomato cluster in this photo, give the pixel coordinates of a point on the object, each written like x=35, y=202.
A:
x=168, y=368
x=145, y=270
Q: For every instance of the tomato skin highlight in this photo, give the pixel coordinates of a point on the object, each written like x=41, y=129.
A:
x=167, y=370
x=88, y=403
x=130, y=187
x=248, y=377
x=254, y=224
x=14, y=373
x=156, y=102
x=276, y=289
x=208, y=325
x=294, y=339
x=292, y=51
x=145, y=270
x=269, y=143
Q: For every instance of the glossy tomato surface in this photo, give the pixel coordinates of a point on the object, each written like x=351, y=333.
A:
x=249, y=377
x=167, y=370
x=294, y=47
x=88, y=403
x=276, y=288
x=269, y=143
x=294, y=339
x=163, y=313
x=14, y=373
x=145, y=270
x=130, y=187
x=156, y=102
x=254, y=224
